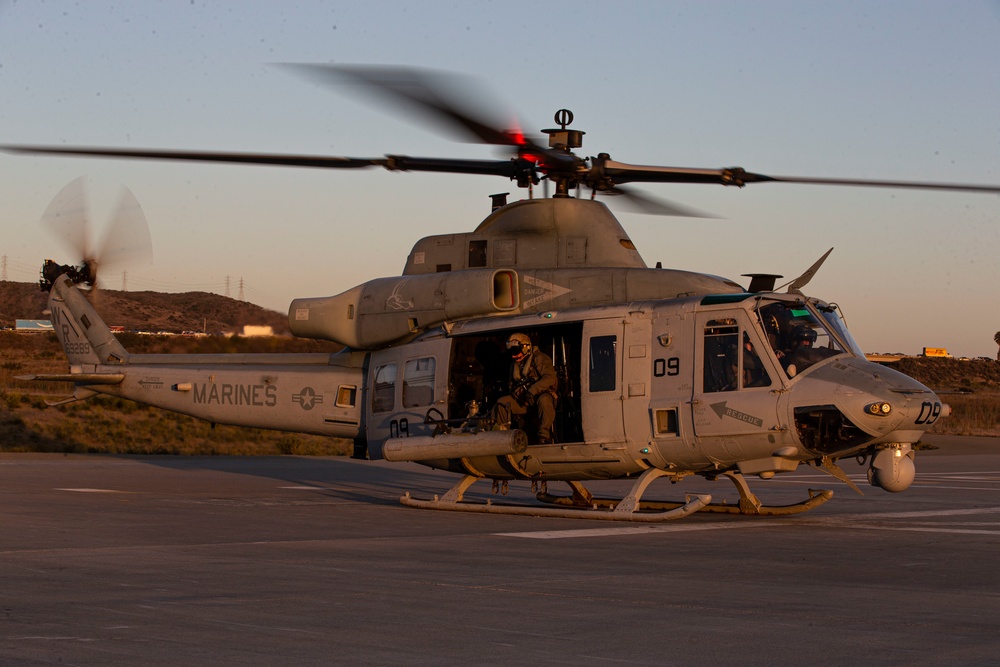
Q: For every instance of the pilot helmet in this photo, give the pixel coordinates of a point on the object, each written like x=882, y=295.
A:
x=518, y=345
x=804, y=334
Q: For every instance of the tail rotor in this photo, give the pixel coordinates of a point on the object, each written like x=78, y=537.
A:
x=125, y=241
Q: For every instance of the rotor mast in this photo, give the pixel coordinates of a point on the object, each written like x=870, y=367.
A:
x=564, y=140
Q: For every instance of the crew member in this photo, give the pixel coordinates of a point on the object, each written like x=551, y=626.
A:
x=804, y=353
x=533, y=383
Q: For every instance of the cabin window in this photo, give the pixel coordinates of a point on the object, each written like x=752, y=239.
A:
x=418, y=382
x=384, y=390
x=346, y=396
x=603, y=376
x=754, y=374
x=722, y=341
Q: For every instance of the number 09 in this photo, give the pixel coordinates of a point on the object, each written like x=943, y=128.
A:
x=671, y=367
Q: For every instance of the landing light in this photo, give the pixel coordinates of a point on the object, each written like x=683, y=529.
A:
x=880, y=409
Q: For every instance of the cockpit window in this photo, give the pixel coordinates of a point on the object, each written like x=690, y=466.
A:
x=834, y=318
x=797, y=336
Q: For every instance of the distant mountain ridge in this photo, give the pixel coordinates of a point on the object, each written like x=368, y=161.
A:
x=149, y=311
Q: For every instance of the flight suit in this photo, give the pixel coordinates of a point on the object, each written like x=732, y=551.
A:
x=536, y=367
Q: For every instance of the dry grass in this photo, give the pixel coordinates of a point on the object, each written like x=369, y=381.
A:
x=116, y=426
x=972, y=414
x=113, y=425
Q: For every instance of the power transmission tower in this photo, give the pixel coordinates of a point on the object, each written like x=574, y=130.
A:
x=4, y=278
x=241, y=289
x=228, y=294
x=124, y=281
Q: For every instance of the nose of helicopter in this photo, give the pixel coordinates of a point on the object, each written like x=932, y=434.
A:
x=872, y=405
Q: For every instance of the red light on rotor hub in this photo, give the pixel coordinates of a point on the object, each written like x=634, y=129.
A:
x=517, y=136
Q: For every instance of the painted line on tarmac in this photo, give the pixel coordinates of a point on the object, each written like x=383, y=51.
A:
x=629, y=530
x=918, y=529
x=94, y=490
x=853, y=521
x=916, y=514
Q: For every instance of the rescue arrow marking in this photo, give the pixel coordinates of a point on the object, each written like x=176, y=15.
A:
x=548, y=290
x=721, y=410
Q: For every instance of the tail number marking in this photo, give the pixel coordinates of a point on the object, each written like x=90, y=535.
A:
x=929, y=413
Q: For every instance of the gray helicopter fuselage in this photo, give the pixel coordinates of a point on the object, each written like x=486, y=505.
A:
x=699, y=384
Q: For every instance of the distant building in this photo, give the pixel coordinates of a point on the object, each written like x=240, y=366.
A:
x=935, y=352
x=33, y=326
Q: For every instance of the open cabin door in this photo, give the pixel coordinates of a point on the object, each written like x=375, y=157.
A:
x=403, y=384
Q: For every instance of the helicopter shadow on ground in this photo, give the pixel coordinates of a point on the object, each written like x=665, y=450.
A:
x=339, y=478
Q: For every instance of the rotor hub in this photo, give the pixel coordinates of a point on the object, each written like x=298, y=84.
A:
x=561, y=138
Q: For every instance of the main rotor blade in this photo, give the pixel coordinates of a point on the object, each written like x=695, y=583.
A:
x=644, y=203
x=205, y=156
x=506, y=168
x=855, y=182
x=620, y=172
x=441, y=97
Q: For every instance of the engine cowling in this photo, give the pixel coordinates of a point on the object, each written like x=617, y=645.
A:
x=386, y=310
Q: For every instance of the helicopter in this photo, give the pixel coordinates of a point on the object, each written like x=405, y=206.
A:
x=661, y=373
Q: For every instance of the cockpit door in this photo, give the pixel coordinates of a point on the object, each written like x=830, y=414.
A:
x=736, y=381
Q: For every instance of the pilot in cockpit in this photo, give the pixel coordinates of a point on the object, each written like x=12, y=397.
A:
x=803, y=353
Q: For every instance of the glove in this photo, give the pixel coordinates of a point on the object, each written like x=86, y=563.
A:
x=522, y=396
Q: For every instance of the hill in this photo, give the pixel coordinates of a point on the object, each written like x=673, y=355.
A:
x=952, y=374
x=148, y=311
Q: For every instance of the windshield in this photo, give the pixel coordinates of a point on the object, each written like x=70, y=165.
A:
x=798, y=338
x=835, y=319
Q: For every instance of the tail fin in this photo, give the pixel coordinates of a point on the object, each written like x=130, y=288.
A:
x=85, y=337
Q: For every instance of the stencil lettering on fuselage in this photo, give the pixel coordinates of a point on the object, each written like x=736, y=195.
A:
x=254, y=395
x=722, y=410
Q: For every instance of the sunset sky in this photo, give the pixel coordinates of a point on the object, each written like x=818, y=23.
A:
x=883, y=90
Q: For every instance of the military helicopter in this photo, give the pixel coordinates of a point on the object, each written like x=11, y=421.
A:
x=661, y=372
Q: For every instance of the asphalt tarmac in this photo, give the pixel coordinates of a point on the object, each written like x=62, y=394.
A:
x=306, y=561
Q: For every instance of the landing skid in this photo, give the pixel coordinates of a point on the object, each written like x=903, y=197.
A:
x=630, y=508
x=749, y=503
